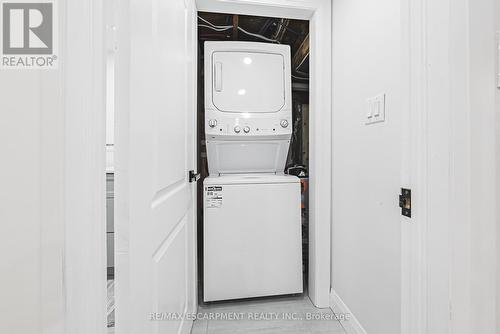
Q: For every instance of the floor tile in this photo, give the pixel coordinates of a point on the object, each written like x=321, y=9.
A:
x=277, y=315
x=199, y=327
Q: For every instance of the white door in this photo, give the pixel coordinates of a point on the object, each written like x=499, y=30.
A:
x=155, y=112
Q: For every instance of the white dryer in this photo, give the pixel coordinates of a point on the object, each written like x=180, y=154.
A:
x=248, y=107
x=252, y=221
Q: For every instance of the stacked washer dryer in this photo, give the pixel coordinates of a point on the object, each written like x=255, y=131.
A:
x=252, y=219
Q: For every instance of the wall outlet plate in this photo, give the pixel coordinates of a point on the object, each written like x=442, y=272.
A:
x=376, y=109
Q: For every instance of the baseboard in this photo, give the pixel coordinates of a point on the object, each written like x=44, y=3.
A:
x=185, y=327
x=350, y=323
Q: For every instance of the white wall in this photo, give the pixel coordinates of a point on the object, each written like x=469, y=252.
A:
x=366, y=230
x=497, y=19
x=497, y=220
x=31, y=211
x=52, y=179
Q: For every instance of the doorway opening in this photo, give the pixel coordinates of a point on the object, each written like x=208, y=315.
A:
x=156, y=238
x=275, y=30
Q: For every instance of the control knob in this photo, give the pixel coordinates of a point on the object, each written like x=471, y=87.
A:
x=237, y=129
x=212, y=123
x=246, y=129
x=284, y=123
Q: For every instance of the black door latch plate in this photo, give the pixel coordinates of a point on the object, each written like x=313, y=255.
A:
x=405, y=202
x=193, y=177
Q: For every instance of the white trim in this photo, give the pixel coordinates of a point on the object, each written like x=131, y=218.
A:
x=460, y=178
x=83, y=67
x=351, y=324
x=192, y=77
x=319, y=14
x=414, y=167
x=186, y=326
x=293, y=9
x=479, y=159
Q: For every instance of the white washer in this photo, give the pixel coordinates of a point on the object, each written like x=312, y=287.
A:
x=252, y=218
x=251, y=236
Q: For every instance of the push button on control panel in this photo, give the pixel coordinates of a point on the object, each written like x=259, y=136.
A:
x=237, y=129
x=246, y=129
x=284, y=123
x=212, y=123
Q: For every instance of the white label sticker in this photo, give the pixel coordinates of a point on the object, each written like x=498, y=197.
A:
x=213, y=197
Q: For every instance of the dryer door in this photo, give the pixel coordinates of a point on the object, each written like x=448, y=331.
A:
x=248, y=82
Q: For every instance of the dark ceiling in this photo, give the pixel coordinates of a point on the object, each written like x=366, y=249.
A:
x=217, y=27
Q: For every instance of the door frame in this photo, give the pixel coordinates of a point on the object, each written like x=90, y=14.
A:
x=82, y=71
x=449, y=290
x=318, y=12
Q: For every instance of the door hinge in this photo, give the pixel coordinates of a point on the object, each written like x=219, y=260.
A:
x=405, y=202
x=193, y=177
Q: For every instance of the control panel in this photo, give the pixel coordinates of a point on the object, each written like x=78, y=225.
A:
x=241, y=126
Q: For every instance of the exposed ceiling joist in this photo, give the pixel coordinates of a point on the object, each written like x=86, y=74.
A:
x=282, y=27
x=301, y=54
x=235, y=27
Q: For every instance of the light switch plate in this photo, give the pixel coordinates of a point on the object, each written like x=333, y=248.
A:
x=376, y=109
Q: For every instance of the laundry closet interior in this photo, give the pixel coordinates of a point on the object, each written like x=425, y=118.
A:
x=253, y=157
